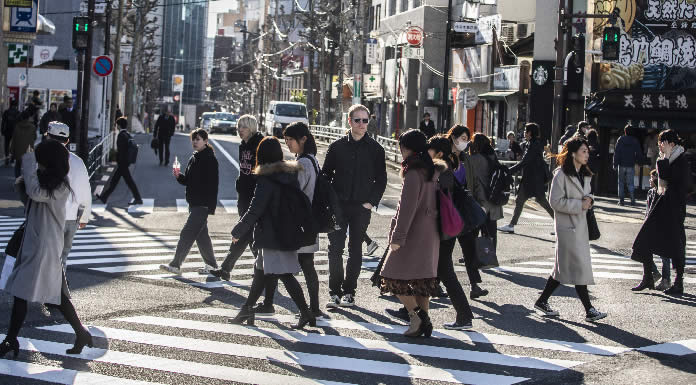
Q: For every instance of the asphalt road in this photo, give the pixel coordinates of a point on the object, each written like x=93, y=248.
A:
x=153, y=328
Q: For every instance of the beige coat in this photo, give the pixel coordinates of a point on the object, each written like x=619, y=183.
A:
x=573, y=262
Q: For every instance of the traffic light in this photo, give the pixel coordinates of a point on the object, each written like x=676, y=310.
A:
x=610, y=43
x=579, y=49
x=80, y=32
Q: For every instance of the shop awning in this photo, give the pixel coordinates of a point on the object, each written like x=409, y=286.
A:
x=496, y=95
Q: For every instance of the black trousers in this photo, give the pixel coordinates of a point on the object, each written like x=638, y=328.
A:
x=164, y=149
x=522, y=197
x=447, y=275
x=466, y=242
x=357, y=218
x=121, y=171
x=19, y=313
x=18, y=167
x=552, y=285
x=8, y=139
x=311, y=278
x=237, y=249
x=293, y=287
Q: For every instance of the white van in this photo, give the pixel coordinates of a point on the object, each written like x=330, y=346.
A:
x=281, y=113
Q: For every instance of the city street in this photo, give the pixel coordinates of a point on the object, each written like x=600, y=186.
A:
x=151, y=327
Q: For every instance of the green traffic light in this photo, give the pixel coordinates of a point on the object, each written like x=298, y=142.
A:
x=86, y=26
x=77, y=27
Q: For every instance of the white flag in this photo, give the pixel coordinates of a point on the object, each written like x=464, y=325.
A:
x=43, y=54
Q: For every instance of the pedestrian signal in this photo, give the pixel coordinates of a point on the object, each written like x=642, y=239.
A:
x=80, y=33
x=610, y=43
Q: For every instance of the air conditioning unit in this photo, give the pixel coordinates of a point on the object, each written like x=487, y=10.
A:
x=524, y=30
x=507, y=33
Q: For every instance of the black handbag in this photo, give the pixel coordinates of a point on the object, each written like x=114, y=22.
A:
x=471, y=212
x=485, y=250
x=154, y=144
x=14, y=244
x=592, y=227
x=376, y=278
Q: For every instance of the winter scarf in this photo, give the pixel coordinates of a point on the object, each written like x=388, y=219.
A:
x=661, y=183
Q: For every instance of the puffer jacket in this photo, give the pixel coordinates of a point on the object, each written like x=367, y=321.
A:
x=201, y=179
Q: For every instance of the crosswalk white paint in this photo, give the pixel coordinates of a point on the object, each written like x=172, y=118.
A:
x=60, y=375
x=677, y=348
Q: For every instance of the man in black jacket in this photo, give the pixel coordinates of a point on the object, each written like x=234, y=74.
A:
x=51, y=115
x=164, y=130
x=247, y=127
x=9, y=118
x=67, y=116
x=122, y=166
x=356, y=167
x=534, y=176
x=427, y=126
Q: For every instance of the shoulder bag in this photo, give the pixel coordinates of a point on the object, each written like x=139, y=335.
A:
x=485, y=250
x=592, y=227
x=14, y=244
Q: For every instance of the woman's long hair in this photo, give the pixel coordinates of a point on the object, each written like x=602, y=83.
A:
x=565, y=158
x=440, y=143
x=416, y=141
x=481, y=144
x=268, y=151
x=55, y=161
x=297, y=130
x=203, y=134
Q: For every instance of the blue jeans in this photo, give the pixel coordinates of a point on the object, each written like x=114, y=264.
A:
x=626, y=176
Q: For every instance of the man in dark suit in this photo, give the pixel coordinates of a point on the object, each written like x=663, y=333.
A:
x=122, y=164
x=164, y=130
x=533, y=183
x=427, y=126
x=67, y=116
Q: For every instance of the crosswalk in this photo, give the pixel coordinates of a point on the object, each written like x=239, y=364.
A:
x=196, y=345
x=227, y=206
x=604, y=265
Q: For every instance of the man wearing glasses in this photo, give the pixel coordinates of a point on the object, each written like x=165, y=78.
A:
x=356, y=167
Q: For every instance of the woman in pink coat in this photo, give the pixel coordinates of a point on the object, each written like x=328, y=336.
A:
x=410, y=268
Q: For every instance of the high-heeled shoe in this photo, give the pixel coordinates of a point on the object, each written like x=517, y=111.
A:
x=246, y=314
x=7, y=346
x=415, y=327
x=426, y=325
x=82, y=339
x=646, y=283
x=306, y=317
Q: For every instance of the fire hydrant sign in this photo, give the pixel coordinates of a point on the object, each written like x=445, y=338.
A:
x=414, y=36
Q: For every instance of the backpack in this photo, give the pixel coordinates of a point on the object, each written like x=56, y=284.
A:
x=500, y=182
x=293, y=218
x=325, y=207
x=132, y=151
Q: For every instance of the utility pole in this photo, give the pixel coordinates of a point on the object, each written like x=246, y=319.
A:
x=133, y=67
x=491, y=78
x=359, y=50
x=558, y=91
x=83, y=148
x=310, y=74
x=115, y=75
x=444, y=108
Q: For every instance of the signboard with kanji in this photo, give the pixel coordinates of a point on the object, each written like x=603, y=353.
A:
x=414, y=53
x=18, y=3
x=414, y=36
x=372, y=83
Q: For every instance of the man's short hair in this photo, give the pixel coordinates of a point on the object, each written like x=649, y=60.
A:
x=248, y=121
x=356, y=107
x=533, y=129
x=122, y=122
x=426, y=114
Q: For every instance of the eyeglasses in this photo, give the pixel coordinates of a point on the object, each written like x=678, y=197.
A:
x=358, y=120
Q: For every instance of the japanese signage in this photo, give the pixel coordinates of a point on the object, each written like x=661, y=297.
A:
x=414, y=53
x=486, y=25
x=506, y=78
x=657, y=45
x=466, y=65
x=18, y=3
x=371, y=51
x=371, y=83
x=655, y=100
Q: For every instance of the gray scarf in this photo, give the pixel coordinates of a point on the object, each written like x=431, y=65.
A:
x=661, y=183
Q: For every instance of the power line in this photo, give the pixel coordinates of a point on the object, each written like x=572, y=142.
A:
x=135, y=7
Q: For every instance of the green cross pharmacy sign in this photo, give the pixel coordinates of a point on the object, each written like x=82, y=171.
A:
x=372, y=83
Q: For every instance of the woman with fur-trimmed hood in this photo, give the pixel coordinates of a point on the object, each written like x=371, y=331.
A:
x=273, y=174
x=410, y=267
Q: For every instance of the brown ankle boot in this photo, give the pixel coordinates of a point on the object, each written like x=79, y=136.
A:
x=414, y=328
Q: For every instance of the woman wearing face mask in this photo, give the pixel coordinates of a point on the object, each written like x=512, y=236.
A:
x=459, y=137
x=201, y=181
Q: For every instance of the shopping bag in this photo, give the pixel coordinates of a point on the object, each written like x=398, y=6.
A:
x=485, y=250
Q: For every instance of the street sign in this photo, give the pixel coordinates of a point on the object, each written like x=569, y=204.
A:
x=177, y=83
x=371, y=51
x=414, y=53
x=22, y=79
x=24, y=19
x=372, y=83
x=176, y=98
x=464, y=27
x=103, y=66
x=414, y=36
x=126, y=51
x=468, y=97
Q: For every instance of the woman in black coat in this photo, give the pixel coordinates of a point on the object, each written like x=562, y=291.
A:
x=666, y=218
x=201, y=181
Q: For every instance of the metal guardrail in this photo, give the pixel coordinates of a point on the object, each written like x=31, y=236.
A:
x=98, y=156
x=329, y=134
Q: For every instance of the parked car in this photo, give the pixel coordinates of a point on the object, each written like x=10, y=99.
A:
x=206, y=119
x=224, y=122
x=281, y=113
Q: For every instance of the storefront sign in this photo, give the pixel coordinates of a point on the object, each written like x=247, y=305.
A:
x=485, y=26
x=371, y=83
x=371, y=51
x=18, y=3
x=506, y=78
x=464, y=27
x=466, y=65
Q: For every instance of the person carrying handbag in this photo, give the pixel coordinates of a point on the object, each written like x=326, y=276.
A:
x=570, y=200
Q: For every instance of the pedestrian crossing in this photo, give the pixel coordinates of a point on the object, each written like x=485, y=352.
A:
x=196, y=345
x=227, y=206
x=604, y=265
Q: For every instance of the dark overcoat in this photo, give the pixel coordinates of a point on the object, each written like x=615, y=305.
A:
x=532, y=167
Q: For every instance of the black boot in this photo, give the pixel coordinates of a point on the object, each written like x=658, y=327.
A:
x=246, y=314
x=83, y=338
x=306, y=317
x=7, y=346
x=426, y=326
x=677, y=289
x=646, y=283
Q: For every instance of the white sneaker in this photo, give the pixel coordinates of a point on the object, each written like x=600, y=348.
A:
x=205, y=270
x=171, y=269
x=371, y=248
x=348, y=300
x=510, y=229
x=335, y=301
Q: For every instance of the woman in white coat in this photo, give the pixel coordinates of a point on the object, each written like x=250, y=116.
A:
x=38, y=274
x=570, y=199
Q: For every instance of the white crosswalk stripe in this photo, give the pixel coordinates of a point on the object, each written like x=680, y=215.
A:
x=160, y=346
x=604, y=265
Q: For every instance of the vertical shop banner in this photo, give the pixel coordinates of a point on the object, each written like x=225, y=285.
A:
x=177, y=83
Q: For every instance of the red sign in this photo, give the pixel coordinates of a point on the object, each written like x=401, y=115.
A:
x=103, y=66
x=414, y=36
x=176, y=98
